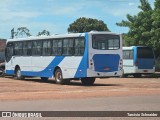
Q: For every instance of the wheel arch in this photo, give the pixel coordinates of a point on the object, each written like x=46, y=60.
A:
x=57, y=67
x=16, y=68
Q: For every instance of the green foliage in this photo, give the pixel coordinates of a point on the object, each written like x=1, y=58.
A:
x=87, y=24
x=155, y=40
x=22, y=32
x=144, y=28
x=44, y=32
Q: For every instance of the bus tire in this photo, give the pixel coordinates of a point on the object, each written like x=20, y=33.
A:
x=59, y=77
x=2, y=74
x=88, y=81
x=44, y=78
x=18, y=75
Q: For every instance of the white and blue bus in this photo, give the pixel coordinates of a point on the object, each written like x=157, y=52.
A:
x=138, y=60
x=78, y=56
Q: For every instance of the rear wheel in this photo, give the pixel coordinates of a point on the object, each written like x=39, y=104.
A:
x=59, y=77
x=88, y=81
x=18, y=75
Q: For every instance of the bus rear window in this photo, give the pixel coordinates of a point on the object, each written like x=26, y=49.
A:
x=145, y=52
x=105, y=42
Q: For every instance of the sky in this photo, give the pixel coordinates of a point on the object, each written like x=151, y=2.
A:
x=56, y=15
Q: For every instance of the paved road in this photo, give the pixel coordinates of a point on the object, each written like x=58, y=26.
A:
x=134, y=103
x=114, y=94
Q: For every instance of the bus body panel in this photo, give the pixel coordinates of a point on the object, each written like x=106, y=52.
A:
x=72, y=71
x=128, y=66
x=106, y=63
x=145, y=63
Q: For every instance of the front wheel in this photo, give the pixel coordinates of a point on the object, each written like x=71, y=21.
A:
x=18, y=74
x=88, y=81
x=2, y=72
x=59, y=77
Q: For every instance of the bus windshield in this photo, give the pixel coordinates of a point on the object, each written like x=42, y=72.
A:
x=106, y=42
x=145, y=52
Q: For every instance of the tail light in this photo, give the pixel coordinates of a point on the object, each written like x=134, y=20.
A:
x=121, y=62
x=91, y=62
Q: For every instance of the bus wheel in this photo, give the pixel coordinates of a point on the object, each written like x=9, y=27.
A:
x=137, y=75
x=88, y=81
x=2, y=72
x=59, y=77
x=44, y=78
x=18, y=74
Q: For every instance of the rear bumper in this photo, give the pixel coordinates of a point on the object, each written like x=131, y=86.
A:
x=144, y=71
x=104, y=74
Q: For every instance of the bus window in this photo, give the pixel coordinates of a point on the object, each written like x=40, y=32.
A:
x=79, y=46
x=105, y=42
x=36, y=49
x=127, y=54
x=68, y=46
x=113, y=44
x=57, y=47
x=18, y=48
x=46, y=48
x=145, y=52
x=27, y=48
x=9, y=51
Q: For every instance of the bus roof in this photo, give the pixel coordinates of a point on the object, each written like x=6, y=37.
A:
x=61, y=36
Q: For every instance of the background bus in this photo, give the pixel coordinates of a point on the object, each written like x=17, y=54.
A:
x=138, y=60
x=80, y=56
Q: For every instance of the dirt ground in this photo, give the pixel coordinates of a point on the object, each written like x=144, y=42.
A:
x=35, y=89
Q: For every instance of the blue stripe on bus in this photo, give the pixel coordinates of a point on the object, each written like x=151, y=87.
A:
x=82, y=68
x=48, y=71
x=10, y=72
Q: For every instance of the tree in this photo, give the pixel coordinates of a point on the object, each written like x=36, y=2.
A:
x=87, y=24
x=140, y=26
x=22, y=32
x=44, y=32
x=155, y=40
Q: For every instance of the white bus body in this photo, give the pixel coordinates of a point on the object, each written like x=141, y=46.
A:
x=84, y=56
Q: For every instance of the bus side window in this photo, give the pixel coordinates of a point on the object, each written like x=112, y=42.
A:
x=68, y=46
x=18, y=48
x=57, y=47
x=46, y=51
x=27, y=48
x=37, y=47
x=79, y=46
x=9, y=51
